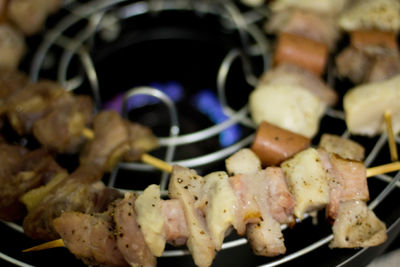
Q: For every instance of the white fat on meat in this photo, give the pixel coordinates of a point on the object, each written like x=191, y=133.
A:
x=265, y=236
x=365, y=105
x=357, y=226
x=290, y=107
x=220, y=206
x=243, y=161
x=307, y=180
x=151, y=219
x=347, y=181
x=186, y=185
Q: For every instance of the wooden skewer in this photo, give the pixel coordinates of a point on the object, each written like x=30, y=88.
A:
x=386, y=168
x=52, y=244
x=146, y=158
x=391, y=139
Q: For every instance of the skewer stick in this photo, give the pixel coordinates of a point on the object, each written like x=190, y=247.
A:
x=52, y=244
x=391, y=139
x=145, y=158
x=386, y=168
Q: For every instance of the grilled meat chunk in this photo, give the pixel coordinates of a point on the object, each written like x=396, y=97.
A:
x=21, y=172
x=12, y=46
x=90, y=238
x=175, y=228
x=130, y=240
x=357, y=226
x=81, y=191
x=61, y=130
x=116, y=139
x=345, y=148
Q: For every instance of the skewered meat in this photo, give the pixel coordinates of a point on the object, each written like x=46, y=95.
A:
x=287, y=106
x=307, y=180
x=12, y=46
x=130, y=240
x=309, y=24
x=24, y=171
x=273, y=144
x=357, y=226
x=116, y=139
x=81, y=191
x=381, y=15
x=176, y=229
x=347, y=181
x=151, y=219
x=365, y=105
x=11, y=81
x=27, y=106
x=30, y=15
x=186, y=185
x=293, y=75
x=342, y=147
x=243, y=161
x=302, y=52
x=61, y=130
x=328, y=7
x=90, y=237
x=220, y=205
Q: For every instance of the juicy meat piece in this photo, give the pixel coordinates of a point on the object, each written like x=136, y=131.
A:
x=33, y=103
x=130, y=240
x=12, y=46
x=175, y=227
x=30, y=15
x=293, y=75
x=27, y=170
x=11, y=81
x=81, y=191
x=90, y=238
x=353, y=64
x=265, y=236
x=116, y=139
x=345, y=148
x=186, y=186
x=384, y=67
x=61, y=130
x=357, y=226
x=348, y=181
x=315, y=26
x=280, y=201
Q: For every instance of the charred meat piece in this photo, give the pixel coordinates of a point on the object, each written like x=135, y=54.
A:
x=116, y=139
x=27, y=106
x=23, y=172
x=130, y=240
x=61, y=130
x=90, y=238
x=81, y=191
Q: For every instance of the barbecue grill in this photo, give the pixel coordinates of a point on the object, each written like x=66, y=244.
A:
x=185, y=69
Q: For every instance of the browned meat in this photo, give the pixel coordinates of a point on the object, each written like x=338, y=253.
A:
x=130, y=240
x=12, y=46
x=23, y=172
x=81, y=191
x=384, y=67
x=61, y=130
x=116, y=139
x=11, y=81
x=37, y=100
x=30, y=15
x=176, y=229
x=352, y=63
x=90, y=238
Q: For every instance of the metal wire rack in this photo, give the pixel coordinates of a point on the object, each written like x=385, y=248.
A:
x=103, y=19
